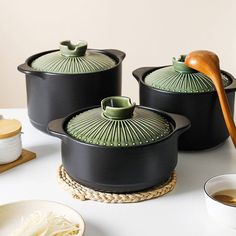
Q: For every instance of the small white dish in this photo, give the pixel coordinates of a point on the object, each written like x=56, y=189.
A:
x=219, y=211
x=12, y=213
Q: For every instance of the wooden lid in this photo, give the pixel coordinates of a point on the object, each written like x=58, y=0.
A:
x=9, y=128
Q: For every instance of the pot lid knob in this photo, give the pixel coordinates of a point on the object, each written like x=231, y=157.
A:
x=180, y=66
x=69, y=49
x=117, y=108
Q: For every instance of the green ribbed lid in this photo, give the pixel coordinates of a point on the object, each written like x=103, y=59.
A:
x=73, y=59
x=182, y=79
x=118, y=122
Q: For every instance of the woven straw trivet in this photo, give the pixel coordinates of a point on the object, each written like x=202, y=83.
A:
x=83, y=193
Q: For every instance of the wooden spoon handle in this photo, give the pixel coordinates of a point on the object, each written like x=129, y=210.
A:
x=207, y=63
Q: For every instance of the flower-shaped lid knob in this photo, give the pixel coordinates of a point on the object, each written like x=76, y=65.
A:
x=117, y=108
x=69, y=49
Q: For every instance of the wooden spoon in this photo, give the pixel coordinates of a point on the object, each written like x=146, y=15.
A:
x=207, y=63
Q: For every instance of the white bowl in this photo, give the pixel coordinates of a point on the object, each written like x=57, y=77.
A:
x=220, y=212
x=12, y=213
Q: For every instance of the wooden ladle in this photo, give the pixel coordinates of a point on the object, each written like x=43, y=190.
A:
x=207, y=63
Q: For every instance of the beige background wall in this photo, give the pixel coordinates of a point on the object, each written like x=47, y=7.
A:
x=151, y=32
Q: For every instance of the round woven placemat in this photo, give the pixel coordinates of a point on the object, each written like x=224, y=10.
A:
x=83, y=193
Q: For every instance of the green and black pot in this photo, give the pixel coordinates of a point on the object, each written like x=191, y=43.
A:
x=180, y=89
x=59, y=82
x=119, y=147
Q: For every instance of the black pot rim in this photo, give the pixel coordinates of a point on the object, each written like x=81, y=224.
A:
x=230, y=87
x=167, y=116
x=29, y=60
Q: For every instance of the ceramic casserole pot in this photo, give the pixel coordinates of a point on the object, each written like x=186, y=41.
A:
x=180, y=89
x=59, y=82
x=119, y=147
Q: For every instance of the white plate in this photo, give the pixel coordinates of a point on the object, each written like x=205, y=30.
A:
x=12, y=213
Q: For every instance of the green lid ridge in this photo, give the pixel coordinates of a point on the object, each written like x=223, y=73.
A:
x=168, y=79
x=73, y=59
x=143, y=127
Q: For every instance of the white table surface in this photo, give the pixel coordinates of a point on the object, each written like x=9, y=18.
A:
x=181, y=212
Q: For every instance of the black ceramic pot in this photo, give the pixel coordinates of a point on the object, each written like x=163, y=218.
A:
x=120, y=168
x=208, y=127
x=52, y=95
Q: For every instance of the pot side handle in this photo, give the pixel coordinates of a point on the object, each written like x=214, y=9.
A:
x=26, y=69
x=232, y=86
x=182, y=123
x=140, y=72
x=121, y=55
x=55, y=128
